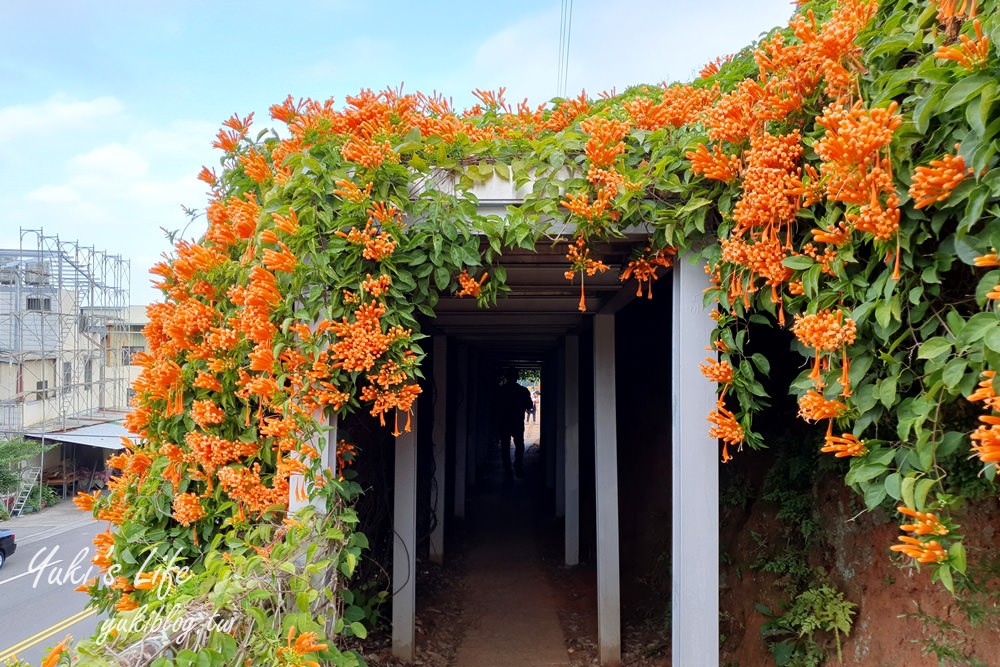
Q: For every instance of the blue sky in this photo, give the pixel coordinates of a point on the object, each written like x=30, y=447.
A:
x=108, y=108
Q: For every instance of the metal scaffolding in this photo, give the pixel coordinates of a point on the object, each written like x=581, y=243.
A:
x=63, y=322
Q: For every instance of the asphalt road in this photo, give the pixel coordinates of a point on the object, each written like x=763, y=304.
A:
x=38, y=603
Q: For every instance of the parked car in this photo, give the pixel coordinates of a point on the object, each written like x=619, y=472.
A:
x=7, y=545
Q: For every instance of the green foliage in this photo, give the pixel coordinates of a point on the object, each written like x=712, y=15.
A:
x=819, y=609
x=13, y=452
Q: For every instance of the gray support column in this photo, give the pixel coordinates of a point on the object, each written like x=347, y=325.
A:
x=695, y=619
x=404, y=549
x=438, y=436
x=472, y=443
x=461, y=430
x=606, y=475
x=571, y=405
x=558, y=408
x=547, y=425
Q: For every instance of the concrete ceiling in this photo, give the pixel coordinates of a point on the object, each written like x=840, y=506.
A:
x=541, y=306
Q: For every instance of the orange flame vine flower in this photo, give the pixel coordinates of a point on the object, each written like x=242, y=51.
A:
x=717, y=371
x=726, y=428
x=934, y=183
x=844, y=446
x=923, y=552
x=581, y=262
x=814, y=407
x=470, y=286
x=970, y=54
x=986, y=437
x=926, y=523
x=643, y=269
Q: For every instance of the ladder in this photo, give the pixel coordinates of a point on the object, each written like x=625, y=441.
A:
x=30, y=477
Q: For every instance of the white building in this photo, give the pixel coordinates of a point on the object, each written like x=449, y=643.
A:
x=65, y=346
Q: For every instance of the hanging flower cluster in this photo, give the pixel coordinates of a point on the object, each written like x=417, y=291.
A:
x=917, y=546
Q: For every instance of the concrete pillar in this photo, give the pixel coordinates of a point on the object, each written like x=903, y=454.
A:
x=461, y=429
x=404, y=550
x=571, y=472
x=557, y=390
x=438, y=436
x=695, y=618
x=606, y=476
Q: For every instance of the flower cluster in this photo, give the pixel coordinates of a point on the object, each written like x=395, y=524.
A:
x=917, y=547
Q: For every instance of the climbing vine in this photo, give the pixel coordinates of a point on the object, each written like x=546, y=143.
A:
x=839, y=179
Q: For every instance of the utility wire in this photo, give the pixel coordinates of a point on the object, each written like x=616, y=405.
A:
x=565, y=28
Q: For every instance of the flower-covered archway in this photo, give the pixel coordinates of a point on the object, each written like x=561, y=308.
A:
x=839, y=178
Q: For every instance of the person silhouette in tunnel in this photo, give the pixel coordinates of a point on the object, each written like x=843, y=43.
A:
x=513, y=401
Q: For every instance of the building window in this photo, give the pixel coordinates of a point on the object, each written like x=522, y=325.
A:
x=40, y=390
x=88, y=374
x=67, y=376
x=129, y=352
x=39, y=303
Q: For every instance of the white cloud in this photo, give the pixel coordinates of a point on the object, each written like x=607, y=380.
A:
x=53, y=194
x=56, y=114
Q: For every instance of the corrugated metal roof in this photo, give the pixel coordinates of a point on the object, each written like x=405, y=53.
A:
x=106, y=435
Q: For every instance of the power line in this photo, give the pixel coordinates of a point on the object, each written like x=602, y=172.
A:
x=565, y=28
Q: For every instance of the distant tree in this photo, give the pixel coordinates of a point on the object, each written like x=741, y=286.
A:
x=13, y=452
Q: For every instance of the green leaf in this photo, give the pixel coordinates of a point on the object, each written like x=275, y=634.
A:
x=953, y=372
x=964, y=90
x=798, y=262
x=887, y=391
x=923, y=487
x=978, y=115
x=874, y=495
x=933, y=348
x=956, y=556
x=359, y=630
x=892, y=486
x=441, y=278
x=944, y=573
x=906, y=487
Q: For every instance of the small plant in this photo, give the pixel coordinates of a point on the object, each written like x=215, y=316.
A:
x=820, y=608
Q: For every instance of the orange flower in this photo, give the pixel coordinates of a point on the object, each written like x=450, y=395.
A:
x=289, y=224
x=987, y=439
x=351, y=192
x=255, y=166
x=56, y=652
x=715, y=164
x=726, y=428
x=934, y=183
x=206, y=413
x=280, y=260
x=303, y=644
x=605, y=142
x=85, y=501
x=126, y=603
x=970, y=54
x=187, y=509
x=644, y=267
x=813, y=407
x=927, y=523
x=717, y=371
x=923, y=552
x=470, y=286
x=845, y=445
